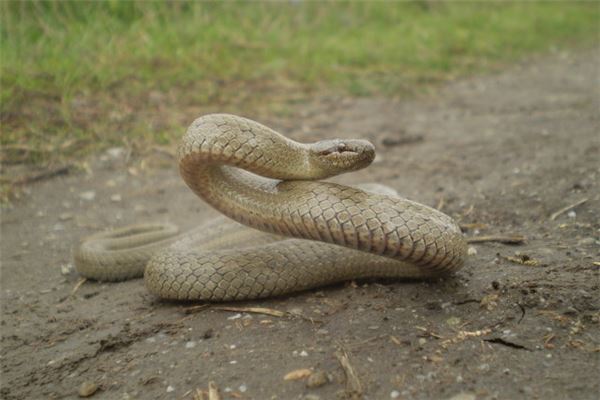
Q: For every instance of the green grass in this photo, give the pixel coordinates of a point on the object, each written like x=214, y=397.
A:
x=78, y=76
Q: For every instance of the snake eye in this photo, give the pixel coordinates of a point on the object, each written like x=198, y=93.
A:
x=337, y=148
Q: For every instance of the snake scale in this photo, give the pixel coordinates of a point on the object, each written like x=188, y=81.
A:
x=314, y=232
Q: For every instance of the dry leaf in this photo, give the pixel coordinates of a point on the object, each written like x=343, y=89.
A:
x=297, y=374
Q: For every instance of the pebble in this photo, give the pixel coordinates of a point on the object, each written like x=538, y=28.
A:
x=190, y=345
x=170, y=389
x=422, y=341
x=116, y=152
x=453, y=321
x=87, y=389
x=394, y=394
x=586, y=241
x=88, y=196
x=317, y=379
x=571, y=214
x=472, y=251
x=243, y=388
x=66, y=269
x=116, y=198
x=65, y=216
x=311, y=397
x=463, y=396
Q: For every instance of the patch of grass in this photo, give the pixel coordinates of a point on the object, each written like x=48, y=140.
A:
x=77, y=76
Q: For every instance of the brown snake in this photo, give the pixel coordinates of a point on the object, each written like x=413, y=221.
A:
x=261, y=179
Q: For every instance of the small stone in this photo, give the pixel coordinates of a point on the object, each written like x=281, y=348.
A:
x=295, y=311
x=116, y=198
x=472, y=251
x=87, y=389
x=116, y=152
x=88, y=196
x=463, y=396
x=317, y=379
x=303, y=353
x=65, y=216
x=170, y=389
x=66, y=269
x=311, y=397
x=571, y=214
x=243, y=388
x=453, y=321
x=190, y=345
x=394, y=394
x=422, y=341
x=588, y=241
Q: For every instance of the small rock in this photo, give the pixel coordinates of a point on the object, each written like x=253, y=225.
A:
x=116, y=198
x=88, y=196
x=65, y=216
x=116, y=152
x=311, y=397
x=571, y=214
x=317, y=379
x=208, y=333
x=394, y=394
x=463, y=396
x=243, y=388
x=422, y=341
x=472, y=251
x=588, y=241
x=170, y=389
x=87, y=389
x=453, y=321
x=66, y=269
x=295, y=311
x=190, y=345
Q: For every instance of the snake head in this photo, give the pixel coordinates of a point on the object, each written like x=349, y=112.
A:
x=333, y=157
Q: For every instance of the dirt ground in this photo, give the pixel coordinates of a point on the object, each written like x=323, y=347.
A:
x=500, y=153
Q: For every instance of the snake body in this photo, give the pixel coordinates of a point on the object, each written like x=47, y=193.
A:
x=265, y=181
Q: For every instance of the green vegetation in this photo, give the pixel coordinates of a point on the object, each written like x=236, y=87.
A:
x=79, y=75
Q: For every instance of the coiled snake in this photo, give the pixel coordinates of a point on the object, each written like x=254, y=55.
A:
x=263, y=180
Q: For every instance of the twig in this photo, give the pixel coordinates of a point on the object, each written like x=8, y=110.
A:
x=213, y=391
x=508, y=239
x=78, y=285
x=353, y=386
x=476, y=225
x=255, y=310
x=440, y=203
x=195, y=309
x=567, y=208
x=49, y=173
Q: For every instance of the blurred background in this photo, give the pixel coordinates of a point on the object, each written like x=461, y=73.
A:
x=80, y=76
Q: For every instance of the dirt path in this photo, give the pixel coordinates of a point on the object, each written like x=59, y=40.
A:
x=503, y=152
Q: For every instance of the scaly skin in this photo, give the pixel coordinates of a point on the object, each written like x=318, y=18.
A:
x=353, y=233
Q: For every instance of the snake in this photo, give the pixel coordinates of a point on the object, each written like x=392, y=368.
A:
x=284, y=228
